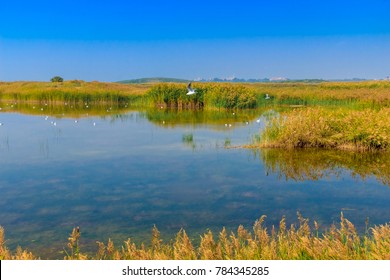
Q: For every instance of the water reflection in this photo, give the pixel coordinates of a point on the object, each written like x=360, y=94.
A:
x=314, y=164
x=217, y=119
x=64, y=109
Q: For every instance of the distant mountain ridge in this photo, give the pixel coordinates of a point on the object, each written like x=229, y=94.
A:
x=232, y=80
x=153, y=80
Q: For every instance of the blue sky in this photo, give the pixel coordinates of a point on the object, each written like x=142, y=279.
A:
x=116, y=40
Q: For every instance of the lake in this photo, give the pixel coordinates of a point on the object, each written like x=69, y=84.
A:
x=117, y=172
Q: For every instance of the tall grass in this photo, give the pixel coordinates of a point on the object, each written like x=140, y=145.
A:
x=208, y=95
x=329, y=128
x=296, y=241
x=369, y=94
x=71, y=92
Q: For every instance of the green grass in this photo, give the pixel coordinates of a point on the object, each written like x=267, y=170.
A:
x=281, y=242
x=208, y=95
x=72, y=92
x=188, y=138
x=368, y=94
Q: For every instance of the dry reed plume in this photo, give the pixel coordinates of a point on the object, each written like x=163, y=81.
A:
x=300, y=241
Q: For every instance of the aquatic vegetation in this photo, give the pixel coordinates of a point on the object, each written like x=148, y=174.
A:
x=227, y=142
x=208, y=95
x=366, y=94
x=74, y=92
x=295, y=242
x=366, y=129
x=188, y=138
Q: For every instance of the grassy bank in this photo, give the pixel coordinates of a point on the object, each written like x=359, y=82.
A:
x=370, y=94
x=361, y=94
x=71, y=92
x=300, y=241
x=329, y=128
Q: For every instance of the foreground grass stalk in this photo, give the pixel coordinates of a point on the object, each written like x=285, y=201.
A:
x=293, y=242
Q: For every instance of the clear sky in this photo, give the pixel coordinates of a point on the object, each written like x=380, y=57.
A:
x=116, y=40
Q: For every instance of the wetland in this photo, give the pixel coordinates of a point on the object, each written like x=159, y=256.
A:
x=117, y=168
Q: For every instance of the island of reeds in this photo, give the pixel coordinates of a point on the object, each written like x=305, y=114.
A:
x=294, y=242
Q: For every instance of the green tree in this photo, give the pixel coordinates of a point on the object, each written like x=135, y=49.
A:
x=57, y=79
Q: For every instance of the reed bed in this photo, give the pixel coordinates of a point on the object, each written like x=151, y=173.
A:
x=208, y=95
x=329, y=128
x=74, y=92
x=301, y=241
x=361, y=94
x=367, y=94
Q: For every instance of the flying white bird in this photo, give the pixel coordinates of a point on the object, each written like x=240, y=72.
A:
x=190, y=89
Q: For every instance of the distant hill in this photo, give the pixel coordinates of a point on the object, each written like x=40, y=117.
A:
x=153, y=80
x=234, y=80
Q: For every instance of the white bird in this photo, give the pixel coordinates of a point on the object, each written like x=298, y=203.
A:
x=267, y=96
x=258, y=120
x=190, y=89
x=94, y=124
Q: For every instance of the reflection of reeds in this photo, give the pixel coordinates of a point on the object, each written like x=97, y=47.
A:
x=313, y=164
x=294, y=242
x=216, y=118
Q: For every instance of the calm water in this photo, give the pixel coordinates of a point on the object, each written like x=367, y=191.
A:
x=116, y=175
